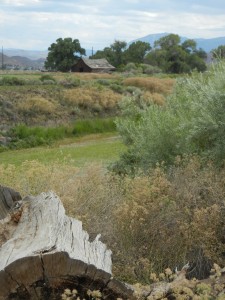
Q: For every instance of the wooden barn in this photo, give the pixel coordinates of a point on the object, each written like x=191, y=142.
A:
x=93, y=65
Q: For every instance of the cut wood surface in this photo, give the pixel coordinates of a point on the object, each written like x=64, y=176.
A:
x=49, y=252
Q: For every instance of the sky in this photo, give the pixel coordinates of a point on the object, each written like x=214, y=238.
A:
x=35, y=24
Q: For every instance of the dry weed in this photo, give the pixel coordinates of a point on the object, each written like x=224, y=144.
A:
x=150, y=222
x=92, y=98
x=152, y=84
x=37, y=104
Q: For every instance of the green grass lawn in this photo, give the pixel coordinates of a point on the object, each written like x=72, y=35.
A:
x=102, y=148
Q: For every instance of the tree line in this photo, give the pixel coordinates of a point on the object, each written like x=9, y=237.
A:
x=168, y=53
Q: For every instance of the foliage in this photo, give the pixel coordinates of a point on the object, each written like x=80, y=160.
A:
x=114, y=53
x=90, y=126
x=192, y=121
x=37, y=105
x=219, y=52
x=152, y=84
x=63, y=54
x=11, y=80
x=47, y=77
x=92, y=98
x=173, y=57
x=23, y=136
x=136, y=52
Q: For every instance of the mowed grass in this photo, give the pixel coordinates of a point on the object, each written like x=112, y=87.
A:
x=101, y=148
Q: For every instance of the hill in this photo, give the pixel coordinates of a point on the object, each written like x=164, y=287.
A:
x=31, y=54
x=205, y=44
x=15, y=62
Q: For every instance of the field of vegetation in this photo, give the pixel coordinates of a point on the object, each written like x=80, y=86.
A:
x=158, y=200
x=38, y=108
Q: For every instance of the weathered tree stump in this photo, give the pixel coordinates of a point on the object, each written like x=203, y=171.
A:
x=48, y=252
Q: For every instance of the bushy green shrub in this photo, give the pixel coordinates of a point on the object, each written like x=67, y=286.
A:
x=25, y=137
x=48, y=82
x=8, y=80
x=117, y=88
x=192, y=121
x=70, y=82
x=103, y=81
x=94, y=126
x=150, y=70
x=47, y=77
x=130, y=67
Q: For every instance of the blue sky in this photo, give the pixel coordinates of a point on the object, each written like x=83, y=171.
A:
x=35, y=24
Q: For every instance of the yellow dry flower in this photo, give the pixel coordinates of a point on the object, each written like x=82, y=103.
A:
x=67, y=292
x=153, y=277
x=64, y=297
x=168, y=272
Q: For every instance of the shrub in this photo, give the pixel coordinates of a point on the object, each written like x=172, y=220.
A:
x=47, y=77
x=117, y=88
x=48, y=82
x=154, y=85
x=103, y=81
x=25, y=137
x=150, y=70
x=70, y=82
x=130, y=67
x=37, y=105
x=92, y=98
x=192, y=121
x=93, y=126
x=7, y=80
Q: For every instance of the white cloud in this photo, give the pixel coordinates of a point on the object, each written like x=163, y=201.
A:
x=20, y=2
x=38, y=23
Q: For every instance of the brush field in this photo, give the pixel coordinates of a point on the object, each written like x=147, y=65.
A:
x=160, y=217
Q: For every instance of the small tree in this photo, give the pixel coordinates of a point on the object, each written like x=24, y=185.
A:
x=63, y=54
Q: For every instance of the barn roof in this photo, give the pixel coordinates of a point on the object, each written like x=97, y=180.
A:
x=98, y=63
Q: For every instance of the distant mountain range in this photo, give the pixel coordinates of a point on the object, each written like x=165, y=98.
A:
x=206, y=44
x=35, y=58
x=21, y=62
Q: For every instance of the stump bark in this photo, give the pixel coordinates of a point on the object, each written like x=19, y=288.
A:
x=49, y=252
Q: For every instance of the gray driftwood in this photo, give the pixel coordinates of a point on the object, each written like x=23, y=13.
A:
x=49, y=252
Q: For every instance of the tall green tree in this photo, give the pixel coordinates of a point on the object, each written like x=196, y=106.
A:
x=63, y=54
x=173, y=57
x=136, y=52
x=167, y=42
x=114, y=54
x=118, y=47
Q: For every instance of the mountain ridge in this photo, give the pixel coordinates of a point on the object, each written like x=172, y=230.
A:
x=207, y=44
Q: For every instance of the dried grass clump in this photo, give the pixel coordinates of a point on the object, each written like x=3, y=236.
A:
x=92, y=98
x=155, y=98
x=169, y=220
x=91, y=76
x=152, y=84
x=37, y=104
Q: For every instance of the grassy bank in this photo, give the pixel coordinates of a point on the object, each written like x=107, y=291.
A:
x=78, y=151
x=23, y=136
